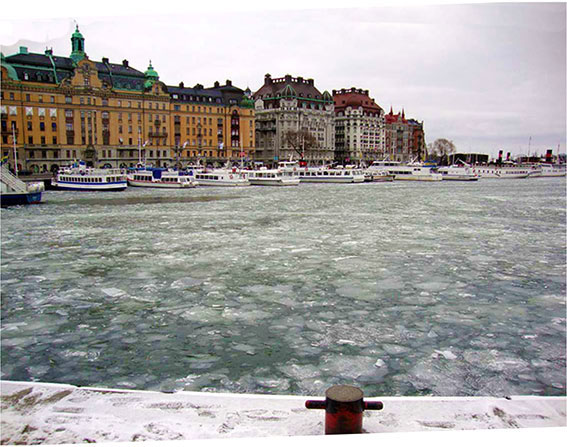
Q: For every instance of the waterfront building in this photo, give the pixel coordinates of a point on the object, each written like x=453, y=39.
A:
x=359, y=127
x=405, y=138
x=293, y=104
x=61, y=109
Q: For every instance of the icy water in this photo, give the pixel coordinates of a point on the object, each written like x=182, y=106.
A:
x=400, y=289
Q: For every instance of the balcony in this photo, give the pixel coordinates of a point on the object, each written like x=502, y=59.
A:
x=157, y=134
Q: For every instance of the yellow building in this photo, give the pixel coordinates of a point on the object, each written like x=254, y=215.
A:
x=62, y=109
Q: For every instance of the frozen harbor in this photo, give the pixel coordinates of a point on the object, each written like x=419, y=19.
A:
x=400, y=289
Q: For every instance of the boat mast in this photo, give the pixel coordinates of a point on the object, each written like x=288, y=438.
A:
x=139, y=150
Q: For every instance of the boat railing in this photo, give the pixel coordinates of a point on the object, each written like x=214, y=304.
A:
x=11, y=180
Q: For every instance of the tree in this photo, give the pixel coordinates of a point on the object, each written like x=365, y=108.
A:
x=300, y=141
x=441, y=149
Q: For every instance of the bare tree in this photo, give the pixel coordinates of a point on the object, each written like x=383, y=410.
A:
x=441, y=149
x=300, y=141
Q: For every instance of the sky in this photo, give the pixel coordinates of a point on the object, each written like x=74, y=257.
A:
x=487, y=76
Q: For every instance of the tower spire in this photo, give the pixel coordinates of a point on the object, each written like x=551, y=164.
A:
x=77, y=45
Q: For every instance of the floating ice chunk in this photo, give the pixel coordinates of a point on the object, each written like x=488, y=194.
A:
x=346, y=342
x=389, y=284
x=380, y=363
x=250, y=350
x=433, y=286
x=447, y=354
x=529, y=336
x=395, y=349
x=186, y=282
x=113, y=292
x=432, y=334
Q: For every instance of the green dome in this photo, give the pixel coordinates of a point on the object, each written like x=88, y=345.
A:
x=12, y=74
x=77, y=34
x=150, y=73
x=247, y=102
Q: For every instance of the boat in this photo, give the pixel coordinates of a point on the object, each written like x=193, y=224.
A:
x=331, y=175
x=410, y=171
x=505, y=170
x=457, y=173
x=221, y=177
x=160, y=178
x=273, y=177
x=552, y=170
x=79, y=177
x=377, y=176
x=14, y=191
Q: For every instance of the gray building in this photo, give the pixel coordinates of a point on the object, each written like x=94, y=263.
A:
x=291, y=104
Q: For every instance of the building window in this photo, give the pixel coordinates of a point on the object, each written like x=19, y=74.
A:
x=29, y=125
x=68, y=99
x=42, y=126
x=28, y=99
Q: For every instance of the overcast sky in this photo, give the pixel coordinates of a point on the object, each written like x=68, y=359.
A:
x=487, y=76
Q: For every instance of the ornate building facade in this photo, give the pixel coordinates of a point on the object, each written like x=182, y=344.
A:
x=56, y=110
x=359, y=127
x=405, y=138
x=293, y=104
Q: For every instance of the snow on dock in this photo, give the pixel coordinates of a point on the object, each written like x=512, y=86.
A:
x=34, y=413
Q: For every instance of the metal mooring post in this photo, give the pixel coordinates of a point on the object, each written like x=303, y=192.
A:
x=343, y=407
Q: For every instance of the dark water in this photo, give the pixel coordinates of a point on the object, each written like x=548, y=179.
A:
x=400, y=289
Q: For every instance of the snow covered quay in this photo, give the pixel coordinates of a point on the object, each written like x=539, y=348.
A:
x=34, y=413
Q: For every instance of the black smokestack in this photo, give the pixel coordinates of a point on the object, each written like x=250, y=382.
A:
x=508, y=156
x=499, y=156
x=548, y=156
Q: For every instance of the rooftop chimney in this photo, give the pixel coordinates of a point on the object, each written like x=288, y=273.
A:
x=267, y=78
x=228, y=82
x=217, y=84
x=125, y=63
x=181, y=85
x=23, y=50
x=105, y=60
x=310, y=81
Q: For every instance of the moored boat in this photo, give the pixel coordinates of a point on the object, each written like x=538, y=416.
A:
x=160, y=178
x=412, y=171
x=331, y=175
x=501, y=171
x=14, y=191
x=273, y=177
x=221, y=177
x=457, y=173
x=79, y=177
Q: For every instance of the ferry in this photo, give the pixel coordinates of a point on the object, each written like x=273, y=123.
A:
x=221, y=177
x=81, y=178
x=14, y=191
x=504, y=171
x=331, y=175
x=273, y=177
x=411, y=171
x=377, y=176
x=457, y=173
x=552, y=170
x=160, y=178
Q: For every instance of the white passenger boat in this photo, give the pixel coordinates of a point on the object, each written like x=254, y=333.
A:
x=160, y=178
x=331, y=175
x=221, y=177
x=273, y=177
x=457, y=173
x=552, y=170
x=412, y=171
x=81, y=178
x=504, y=171
x=377, y=176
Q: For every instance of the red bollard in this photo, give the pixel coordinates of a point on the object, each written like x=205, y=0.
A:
x=343, y=407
